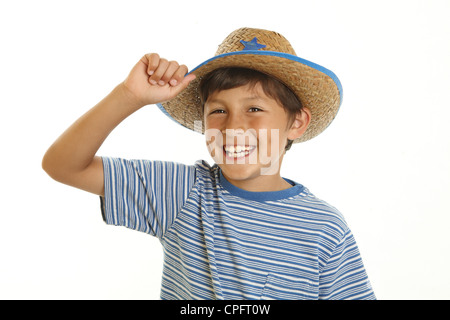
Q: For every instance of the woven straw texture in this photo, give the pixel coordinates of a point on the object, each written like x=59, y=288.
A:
x=316, y=90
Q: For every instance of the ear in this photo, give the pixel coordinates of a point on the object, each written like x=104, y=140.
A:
x=300, y=124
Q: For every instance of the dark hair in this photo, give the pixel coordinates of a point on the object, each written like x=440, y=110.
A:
x=233, y=77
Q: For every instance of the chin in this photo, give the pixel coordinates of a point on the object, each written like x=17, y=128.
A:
x=240, y=171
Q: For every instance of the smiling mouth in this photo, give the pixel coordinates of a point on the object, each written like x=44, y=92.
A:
x=236, y=152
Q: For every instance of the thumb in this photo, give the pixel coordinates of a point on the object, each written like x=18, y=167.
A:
x=184, y=83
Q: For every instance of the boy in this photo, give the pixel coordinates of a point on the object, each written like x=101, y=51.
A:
x=235, y=230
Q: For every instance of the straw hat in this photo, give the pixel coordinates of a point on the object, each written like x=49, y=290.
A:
x=269, y=52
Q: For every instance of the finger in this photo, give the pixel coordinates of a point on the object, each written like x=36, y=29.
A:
x=152, y=62
x=184, y=83
x=159, y=71
x=179, y=74
x=171, y=69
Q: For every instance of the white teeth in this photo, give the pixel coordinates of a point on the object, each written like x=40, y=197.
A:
x=237, y=155
x=238, y=148
x=238, y=151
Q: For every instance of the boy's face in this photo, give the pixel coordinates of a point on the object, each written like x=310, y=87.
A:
x=246, y=133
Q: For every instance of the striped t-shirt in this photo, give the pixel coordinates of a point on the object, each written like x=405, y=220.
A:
x=222, y=242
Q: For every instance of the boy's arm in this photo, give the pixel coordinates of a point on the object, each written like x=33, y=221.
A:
x=72, y=160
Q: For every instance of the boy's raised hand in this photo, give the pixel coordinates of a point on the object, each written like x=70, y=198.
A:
x=72, y=159
x=154, y=80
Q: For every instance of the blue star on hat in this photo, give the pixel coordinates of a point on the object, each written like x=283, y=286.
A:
x=252, y=45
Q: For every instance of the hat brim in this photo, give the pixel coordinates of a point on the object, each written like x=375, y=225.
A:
x=318, y=88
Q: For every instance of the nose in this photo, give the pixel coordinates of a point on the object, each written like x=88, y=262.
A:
x=237, y=131
x=234, y=130
x=235, y=122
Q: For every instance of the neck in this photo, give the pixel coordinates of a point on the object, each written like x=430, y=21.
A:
x=261, y=183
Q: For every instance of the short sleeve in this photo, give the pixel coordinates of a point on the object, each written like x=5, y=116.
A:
x=344, y=276
x=144, y=195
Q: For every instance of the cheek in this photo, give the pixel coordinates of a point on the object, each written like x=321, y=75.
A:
x=212, y=123
x=214, y=143
x=205, y=122
x=272, y=142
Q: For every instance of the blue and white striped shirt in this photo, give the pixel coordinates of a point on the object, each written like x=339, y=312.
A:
x=222, y=242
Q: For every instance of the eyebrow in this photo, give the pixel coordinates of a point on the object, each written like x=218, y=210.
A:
x=250, y=98
x=256, y=97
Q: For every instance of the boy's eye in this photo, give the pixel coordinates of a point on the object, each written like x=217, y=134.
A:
x=254, y=109
x=217, y=111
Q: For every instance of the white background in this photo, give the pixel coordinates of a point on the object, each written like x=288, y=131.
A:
x=384, y=162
